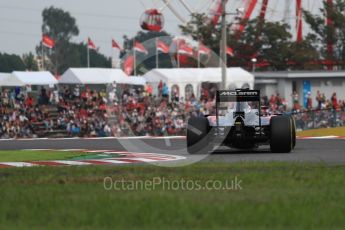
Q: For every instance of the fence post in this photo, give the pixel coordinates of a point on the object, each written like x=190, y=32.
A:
x=334, y=118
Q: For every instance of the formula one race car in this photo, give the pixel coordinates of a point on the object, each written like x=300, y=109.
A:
x=239, y=124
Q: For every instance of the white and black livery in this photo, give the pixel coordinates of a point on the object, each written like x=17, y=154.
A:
x=239, y=124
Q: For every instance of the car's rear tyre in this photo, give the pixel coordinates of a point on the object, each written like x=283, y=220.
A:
x=197, y=135
x=293, y=132
x=281, y=134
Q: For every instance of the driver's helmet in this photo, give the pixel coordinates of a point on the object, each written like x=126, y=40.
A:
x=244, y=106
x=239, y=107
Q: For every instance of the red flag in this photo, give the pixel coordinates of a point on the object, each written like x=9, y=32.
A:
x=140, y=48
x=128, y=65
x=230, y=51
x=115, y=45
x=185, y=50
x=161, y=46
x=48, y=42
x=91, y=45
x=204, y=49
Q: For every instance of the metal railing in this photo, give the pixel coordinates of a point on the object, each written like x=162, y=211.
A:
x=315, y=119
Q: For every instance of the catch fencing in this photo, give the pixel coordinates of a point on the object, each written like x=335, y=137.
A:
x=315, y=119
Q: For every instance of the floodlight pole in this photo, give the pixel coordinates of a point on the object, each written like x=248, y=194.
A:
x=88, y=56
x=223, y=45
x=43, y=57
x=134, y=59
x=157, y=58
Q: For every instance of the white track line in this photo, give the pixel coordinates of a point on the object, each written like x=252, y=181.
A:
x=72, y=162
x=111, y=161
x=138, y=159
x=17, y=164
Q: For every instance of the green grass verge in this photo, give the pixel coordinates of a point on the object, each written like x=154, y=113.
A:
x=273, y=195
x=23, y=155
x=340, y=131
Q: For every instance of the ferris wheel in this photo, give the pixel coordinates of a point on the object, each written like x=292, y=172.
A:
x=288, y=11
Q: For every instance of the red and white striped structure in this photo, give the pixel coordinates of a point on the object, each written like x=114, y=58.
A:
x=273, y=10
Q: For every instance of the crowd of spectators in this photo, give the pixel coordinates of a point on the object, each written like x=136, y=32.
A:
x=277, y=104
x=81, y=111
x=136, y=112
x=18, y=113
x=327, y=112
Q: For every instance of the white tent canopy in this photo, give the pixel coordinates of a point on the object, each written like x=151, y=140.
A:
x=28, y=78
x=236, y=77
x=198, y=75
x=3, y=76
x=98, y=76
x=135, y=80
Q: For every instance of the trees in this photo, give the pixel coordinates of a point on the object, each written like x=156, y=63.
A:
x=30, y=62
x=332, y=32
x=60, y=26
x=304, y=55
x=11, y=62
x=269, y=42
x=96, y=59
x=200, y=29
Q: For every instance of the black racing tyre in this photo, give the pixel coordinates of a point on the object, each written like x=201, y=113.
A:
x=293, y=132
x=281, y=140
x=197, y=131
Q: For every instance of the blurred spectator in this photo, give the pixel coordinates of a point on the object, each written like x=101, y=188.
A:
x=309, y=101
x=165, y=91
x=334, y=101
x=160, y=88
x=295, y=102
x=319, y=100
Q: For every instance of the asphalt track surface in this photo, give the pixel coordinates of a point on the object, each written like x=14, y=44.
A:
x=330, y=151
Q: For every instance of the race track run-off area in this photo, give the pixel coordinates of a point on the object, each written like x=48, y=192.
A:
x=128, y=182
x=96, y=157
x=136, y=150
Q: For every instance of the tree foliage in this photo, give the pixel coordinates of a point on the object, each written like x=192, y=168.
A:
x=332, y=32
x=59, y=24
x=200, y=29
x=30, y=62
x=96, y=59
x=62, y=27
x=269, y=42
x=11, y=62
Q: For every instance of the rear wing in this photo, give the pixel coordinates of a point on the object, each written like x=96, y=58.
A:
x=238, y=95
